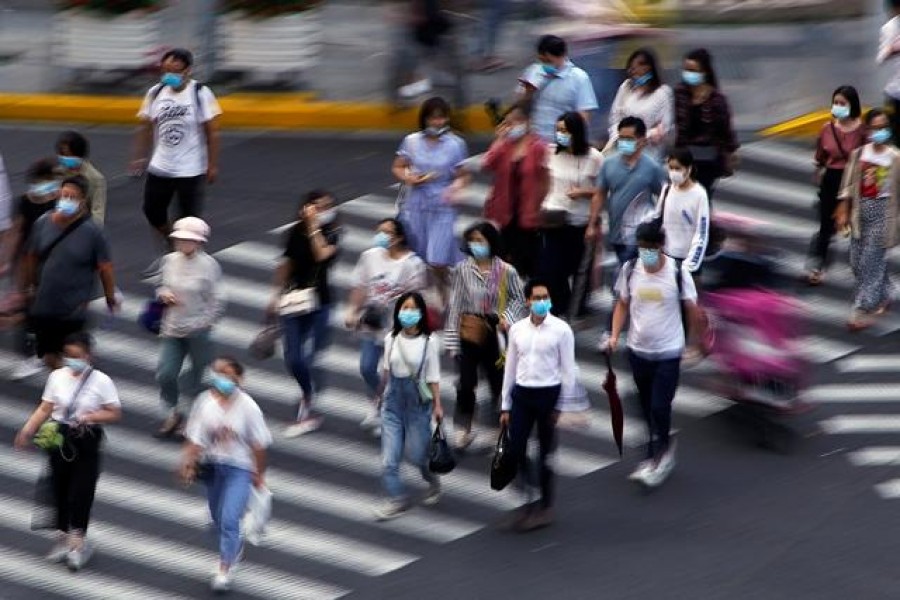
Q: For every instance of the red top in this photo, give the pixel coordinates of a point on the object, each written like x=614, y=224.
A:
x=828, y=150
x=528, y=190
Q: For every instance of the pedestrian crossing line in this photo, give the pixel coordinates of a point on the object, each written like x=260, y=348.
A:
x=876, y=456
x=861, y=424
x=871, y=363
x=180, y=559
x=786, y=194
x=780, y=155
x=32, y=572
x=854, y=393
x=889, y=490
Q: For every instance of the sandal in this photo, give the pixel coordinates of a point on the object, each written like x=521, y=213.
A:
x=170, y=426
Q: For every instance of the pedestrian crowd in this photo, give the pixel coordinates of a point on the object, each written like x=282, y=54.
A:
x=502, y=301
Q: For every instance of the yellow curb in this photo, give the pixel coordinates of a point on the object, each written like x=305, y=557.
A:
x=807, y=125
x=240, y=111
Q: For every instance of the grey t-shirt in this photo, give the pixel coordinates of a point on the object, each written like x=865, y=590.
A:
x=67, y=278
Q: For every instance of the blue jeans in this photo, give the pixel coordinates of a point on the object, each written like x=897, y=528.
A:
x=299, y=353
x=405, y=424
x=369, y=354
x=172, y=353
x=228, y=492
x=656, y=382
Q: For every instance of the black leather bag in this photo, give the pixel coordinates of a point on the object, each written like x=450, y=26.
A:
x=440, y=457
x=503, y=465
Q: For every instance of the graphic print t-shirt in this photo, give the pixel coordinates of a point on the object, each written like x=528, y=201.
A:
x=876, y=169
x=180, y=143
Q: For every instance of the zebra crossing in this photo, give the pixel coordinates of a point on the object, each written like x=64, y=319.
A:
x=152, y=534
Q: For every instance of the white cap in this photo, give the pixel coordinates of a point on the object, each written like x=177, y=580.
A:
x=191, y=229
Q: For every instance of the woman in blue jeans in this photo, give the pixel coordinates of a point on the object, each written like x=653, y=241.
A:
x=411, y=380
x=227, y=435
x=311, y=248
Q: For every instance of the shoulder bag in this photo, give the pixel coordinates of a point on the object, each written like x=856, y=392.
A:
x=44, y=254
x=296, y=301
x=425, y=394
x=50, y=436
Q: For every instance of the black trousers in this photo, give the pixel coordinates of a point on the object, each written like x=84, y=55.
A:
x=561, y=256
x=530, y=407
x=75, y=471
x=707, y=173
x=473, y=357
x=159, y=192
x=522, y=248
x=828, y=202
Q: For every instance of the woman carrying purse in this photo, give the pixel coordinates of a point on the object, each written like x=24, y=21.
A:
x=80, y=400
x=487, y=299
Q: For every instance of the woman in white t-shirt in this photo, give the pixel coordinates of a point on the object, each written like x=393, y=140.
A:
x=648, y=298
x=645, y=96
x=80, y=399
x=227, y=438
x=382, y=273
x=573, y=166
x=411, y=387
x=684, y=208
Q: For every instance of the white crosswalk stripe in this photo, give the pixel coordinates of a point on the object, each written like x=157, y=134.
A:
x=334, y=474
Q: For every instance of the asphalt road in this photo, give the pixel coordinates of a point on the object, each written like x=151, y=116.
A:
x=735, y=521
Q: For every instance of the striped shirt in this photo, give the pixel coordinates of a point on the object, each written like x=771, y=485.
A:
x=478, y=293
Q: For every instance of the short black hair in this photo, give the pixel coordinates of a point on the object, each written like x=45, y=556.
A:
x=489, y=232
x=420, y=304
x=576, y=127
x=431, y=107
x=702, y=57
x=651, y=232
x=180, y=54
x=872, y=115
x=852, y=96
x=649, y=57
x=640, y=128
x=76, y=143
x=81, y=339
x=80, y=182
x=41, y=170
x=682, y=155
x=233, y=363
x=399, y=229
x=535, y=282
x=552, y=45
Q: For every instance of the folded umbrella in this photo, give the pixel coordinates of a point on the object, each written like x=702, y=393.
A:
x=616, y=415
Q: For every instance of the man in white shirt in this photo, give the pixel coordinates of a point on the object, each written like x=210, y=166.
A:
x=651, y=291
x=540, y=361
x=179, y=122
x=889, y=47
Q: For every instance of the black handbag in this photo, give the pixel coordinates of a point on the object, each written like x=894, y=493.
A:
x=440, y=457
x=504, y=465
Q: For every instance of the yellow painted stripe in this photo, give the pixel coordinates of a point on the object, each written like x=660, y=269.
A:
x=807, y=125
x=257, y=111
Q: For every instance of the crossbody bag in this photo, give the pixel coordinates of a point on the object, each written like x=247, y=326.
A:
x=51, y=436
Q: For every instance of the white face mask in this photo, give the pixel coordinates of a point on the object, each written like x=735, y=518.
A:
x=677, y=177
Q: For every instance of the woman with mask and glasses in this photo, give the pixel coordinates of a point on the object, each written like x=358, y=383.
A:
x=382, y=274
x=428, y=168
x=644, y=95
x=869, y=208
x=703, y=121
x=487, y=299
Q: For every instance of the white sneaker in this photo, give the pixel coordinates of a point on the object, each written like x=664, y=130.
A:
x=463, y=439
x=373, y=419
x=27, y=367
x=77, y=558
x=640, y=473
x=433, y=495
x=391, y=510
x=59, y=552
x=221, y=582
x=656, y=476
x=307, y=425
x=417, y=88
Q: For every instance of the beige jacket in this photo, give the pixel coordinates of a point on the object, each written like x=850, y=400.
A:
x=851, y=189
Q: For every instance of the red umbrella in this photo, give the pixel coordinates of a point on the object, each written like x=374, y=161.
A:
x=616, y=415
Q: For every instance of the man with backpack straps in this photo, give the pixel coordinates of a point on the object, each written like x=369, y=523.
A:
x=655, y=293
x=179, y=124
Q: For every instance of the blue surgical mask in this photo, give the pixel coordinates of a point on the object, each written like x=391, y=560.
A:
x=642, y=79
x=840, y=112
x=880, y=136
x=693, y=78
x=517, y=132
x=173, y=80
x=549, y=69
x=541, y=308
x=70, y=162
x=563, y=139
x=76, y=365
x=409, y=317
x=479, y=249
x=381, y=240
x=67, y=207
x=626, y=147
x=436, y=131
x=43, y=189
x=649, y=256
x=222, y=384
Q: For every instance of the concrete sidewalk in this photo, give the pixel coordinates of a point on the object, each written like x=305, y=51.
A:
x=771, y=73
